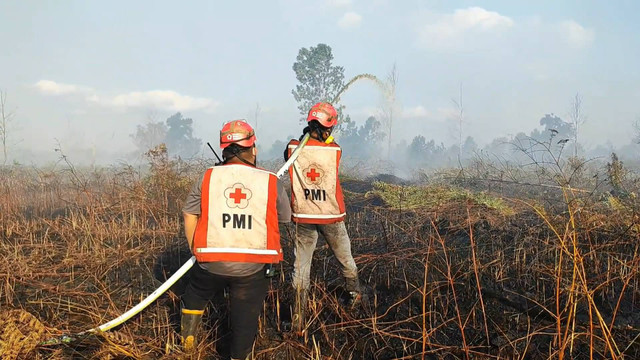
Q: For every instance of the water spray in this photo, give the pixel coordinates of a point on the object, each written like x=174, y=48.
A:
x=381, y=85
x=378, y=82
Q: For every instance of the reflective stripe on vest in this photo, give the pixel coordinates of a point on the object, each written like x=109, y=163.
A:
x=316, y=196
x=239, y=219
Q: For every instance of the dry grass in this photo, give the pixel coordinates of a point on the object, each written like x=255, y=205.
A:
x=467, y=275
x=433, y=196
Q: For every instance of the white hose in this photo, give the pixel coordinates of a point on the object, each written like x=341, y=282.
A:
x=293, y=156
x=148, y=300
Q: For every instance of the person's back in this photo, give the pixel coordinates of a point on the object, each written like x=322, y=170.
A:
x=316, y=194
x=318, y=207
x=231, y=224
x=238, y=222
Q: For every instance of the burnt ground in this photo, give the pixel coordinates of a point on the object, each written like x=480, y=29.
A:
x=456, y=281
x=392, y=247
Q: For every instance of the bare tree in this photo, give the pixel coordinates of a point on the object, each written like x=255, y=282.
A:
x=5, y=120
x=389, y=105
x=576, y=118
x=459, y=117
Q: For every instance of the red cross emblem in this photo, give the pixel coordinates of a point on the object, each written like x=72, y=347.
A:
x=237, y=196
x=312, y=174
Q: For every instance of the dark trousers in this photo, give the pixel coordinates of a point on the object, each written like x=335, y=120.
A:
x=247, y=293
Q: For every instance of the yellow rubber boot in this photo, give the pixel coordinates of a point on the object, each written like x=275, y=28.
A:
x=189, y=324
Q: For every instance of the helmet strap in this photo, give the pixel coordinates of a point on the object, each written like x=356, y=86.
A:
x=322, y=132
x=234, y=153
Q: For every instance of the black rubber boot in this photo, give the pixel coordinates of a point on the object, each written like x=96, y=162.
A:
x=189, y=325
x=353, y=287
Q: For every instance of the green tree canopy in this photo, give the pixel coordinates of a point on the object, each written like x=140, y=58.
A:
x=176, y=133
x=179, y=139
x=557, y=126
x=149, y=135
x=362, y=141
x=319, y=80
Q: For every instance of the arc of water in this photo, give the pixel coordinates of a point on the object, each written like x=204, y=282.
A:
x=356, y=78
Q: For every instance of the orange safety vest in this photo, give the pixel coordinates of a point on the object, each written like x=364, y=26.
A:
x=238, y=220
x=316, y=195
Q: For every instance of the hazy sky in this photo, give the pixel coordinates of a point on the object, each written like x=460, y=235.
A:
x=87, y=72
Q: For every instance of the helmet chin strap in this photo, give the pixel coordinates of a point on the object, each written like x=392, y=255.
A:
x=243, y=160
x=322, y=132
x=247, y=162
x=235, y=154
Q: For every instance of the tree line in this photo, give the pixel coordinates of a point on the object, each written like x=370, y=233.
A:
x=319, y=79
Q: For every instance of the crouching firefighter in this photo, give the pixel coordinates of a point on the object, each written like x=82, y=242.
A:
x=318, y=207
x=231, y=224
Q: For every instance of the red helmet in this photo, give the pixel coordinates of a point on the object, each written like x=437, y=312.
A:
x=237, y=132
x=324, y=113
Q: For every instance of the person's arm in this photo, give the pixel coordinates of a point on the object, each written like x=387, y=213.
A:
x=283, y=205
x=190, y=222
x=191, y=212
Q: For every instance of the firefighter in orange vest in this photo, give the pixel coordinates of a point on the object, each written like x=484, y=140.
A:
x=318, y=207
x=231, y=223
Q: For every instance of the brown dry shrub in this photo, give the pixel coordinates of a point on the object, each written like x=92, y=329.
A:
x=20, y=333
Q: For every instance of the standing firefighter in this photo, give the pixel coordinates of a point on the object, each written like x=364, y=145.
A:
x=231, y=223
x=318, y=207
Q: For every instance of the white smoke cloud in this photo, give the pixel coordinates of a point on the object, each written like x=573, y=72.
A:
x=415, y=112
x=156, y=99
x=447, y=30
x=49, y=87
x=350, y=20
x=575, y=34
